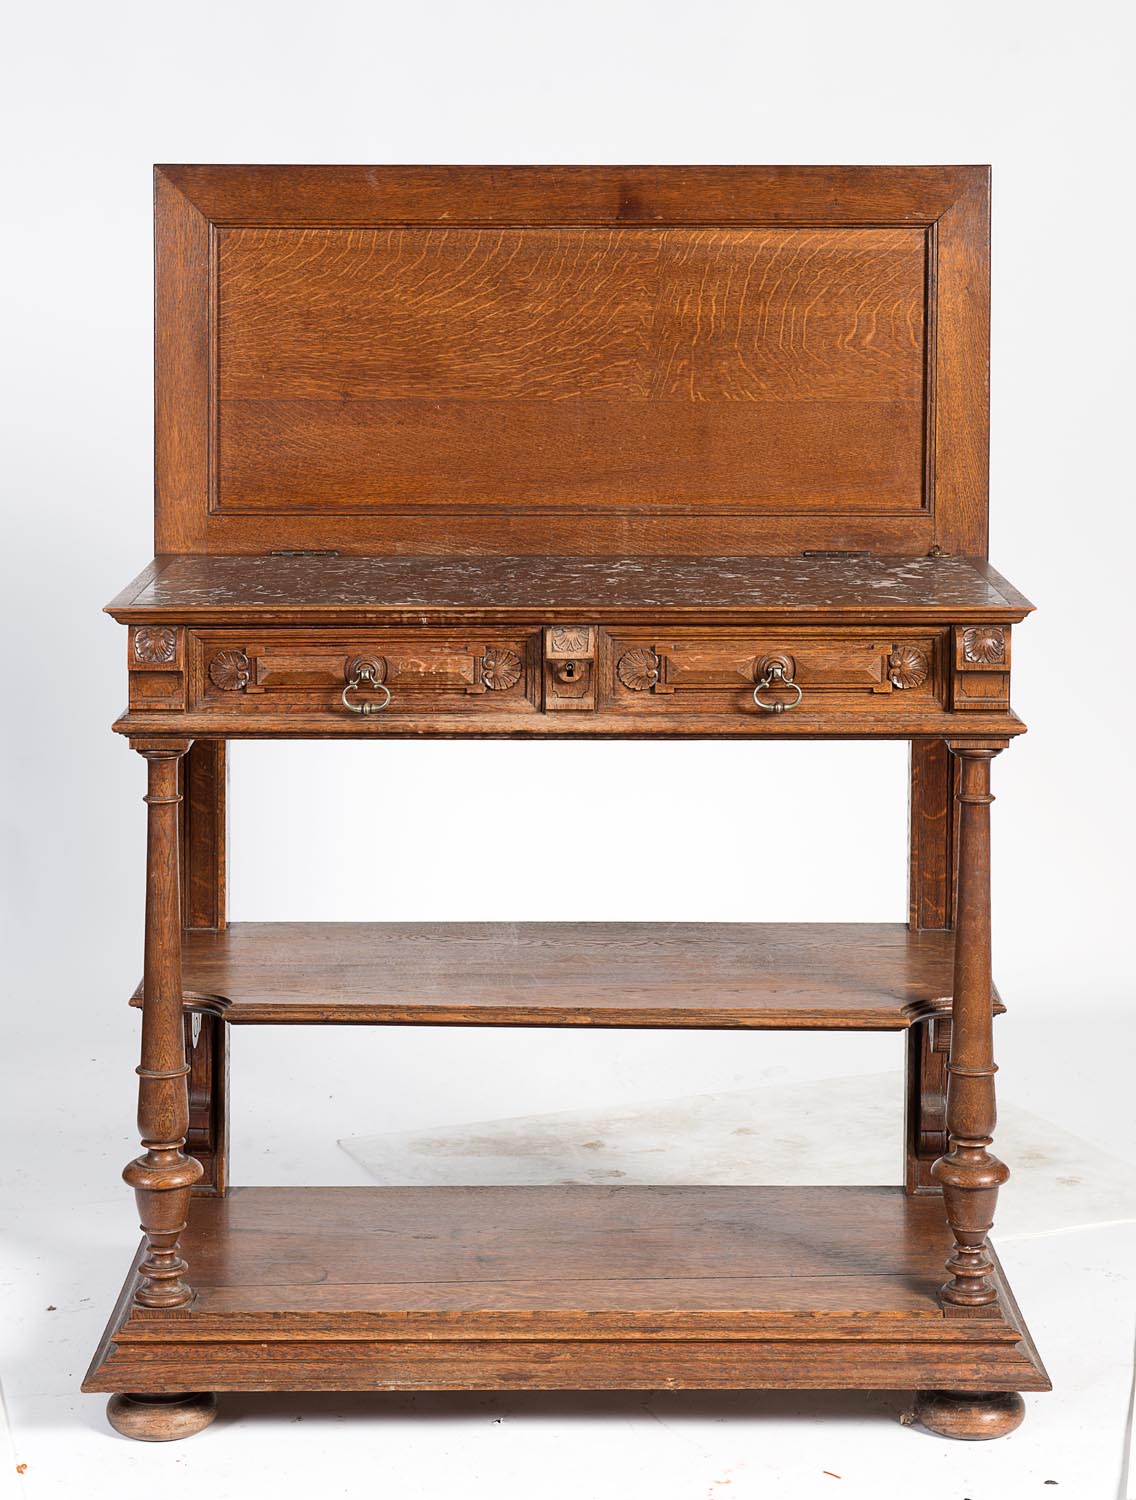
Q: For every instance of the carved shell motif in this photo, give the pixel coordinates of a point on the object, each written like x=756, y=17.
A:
x=230, y=670
x=985, y=644
x=638, y=669
x=569, y=638
x=500, y=669
x=907, y=667
x=154, y=644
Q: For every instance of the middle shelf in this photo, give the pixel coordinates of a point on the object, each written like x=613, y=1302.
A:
x=863, y=976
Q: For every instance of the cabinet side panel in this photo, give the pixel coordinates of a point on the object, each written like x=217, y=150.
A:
x=183, y=385
x=962, y=372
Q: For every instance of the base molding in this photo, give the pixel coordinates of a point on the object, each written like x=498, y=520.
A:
x=569, y=1288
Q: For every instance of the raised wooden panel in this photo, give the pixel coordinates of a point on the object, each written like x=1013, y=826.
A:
x=553, y=314
x=765, y=370
x=599, y=361
x=407, y=458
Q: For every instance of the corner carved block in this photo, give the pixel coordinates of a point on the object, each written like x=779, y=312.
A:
x=157, y=678
x=501, y=669
x=154, y=645
x=230, y=671
x=981, y=668
x=984, y=646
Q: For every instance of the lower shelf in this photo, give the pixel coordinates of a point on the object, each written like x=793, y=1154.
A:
x=864, y=976
x=546, y=1288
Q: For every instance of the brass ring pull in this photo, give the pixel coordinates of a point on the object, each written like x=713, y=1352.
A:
x=366, y=674
x=775, y=677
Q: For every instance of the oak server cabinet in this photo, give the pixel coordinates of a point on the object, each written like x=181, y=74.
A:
x=593, y=452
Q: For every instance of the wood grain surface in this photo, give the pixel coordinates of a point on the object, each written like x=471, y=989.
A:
x=364, y=196
x=861, y=976
x=620, y=315
x=569, y=451
x=600, y=1250
x=602, y=359
x=397, y=370
x=547, y=1287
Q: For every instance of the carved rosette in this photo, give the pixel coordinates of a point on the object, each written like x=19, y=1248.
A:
x=500, y=669
x=984, y=645
x=230, y=671
x=907, y=667
x=155, y=644
x=638, y=670
x=568, y=640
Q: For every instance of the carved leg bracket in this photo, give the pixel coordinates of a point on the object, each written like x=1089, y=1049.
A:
x=207, y=1048
x=928, y=1045
x=203, y=825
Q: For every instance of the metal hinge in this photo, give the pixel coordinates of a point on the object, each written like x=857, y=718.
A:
x=808, y=553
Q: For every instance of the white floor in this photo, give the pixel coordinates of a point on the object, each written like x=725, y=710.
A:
x=1067, y=1237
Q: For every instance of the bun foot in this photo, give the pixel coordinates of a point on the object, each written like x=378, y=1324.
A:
x=159, y=1418
x=973, y=1415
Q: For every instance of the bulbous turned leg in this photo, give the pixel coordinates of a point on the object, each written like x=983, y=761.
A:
x=969, y=1174
x=161, y=1418
x=163, y=1176
x=972, y=1415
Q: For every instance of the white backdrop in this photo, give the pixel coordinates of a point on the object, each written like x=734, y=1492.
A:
x=92, y=94
x=95, y=93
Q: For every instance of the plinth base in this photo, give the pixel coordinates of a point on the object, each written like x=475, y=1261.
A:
x=568, y=1288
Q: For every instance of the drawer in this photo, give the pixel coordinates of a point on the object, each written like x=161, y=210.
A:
x=655, y=671
x=394, y=672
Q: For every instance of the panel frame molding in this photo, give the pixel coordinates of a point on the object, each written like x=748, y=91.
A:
x=195, y=205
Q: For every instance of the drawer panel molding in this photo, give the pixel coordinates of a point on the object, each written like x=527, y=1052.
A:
x=706, y=671
x=634, y=679
x=425, y=671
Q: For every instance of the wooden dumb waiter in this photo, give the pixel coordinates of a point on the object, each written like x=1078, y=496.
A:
x=586, y=452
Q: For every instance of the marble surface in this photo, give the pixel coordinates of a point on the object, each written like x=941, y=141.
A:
x=599, y=587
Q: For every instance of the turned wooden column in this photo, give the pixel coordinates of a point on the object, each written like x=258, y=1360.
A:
x=969, y=1174
x=163, y=1175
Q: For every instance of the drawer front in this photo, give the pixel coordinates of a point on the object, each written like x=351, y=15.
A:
x=706, y=671
x=395, y=672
